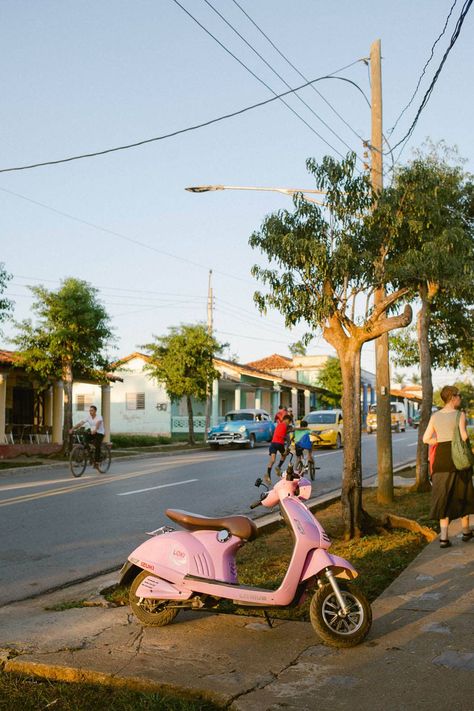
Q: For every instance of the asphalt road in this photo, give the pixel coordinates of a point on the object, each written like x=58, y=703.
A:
x=55, y=529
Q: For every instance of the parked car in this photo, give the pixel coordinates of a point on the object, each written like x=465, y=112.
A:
x=398, y=417
x=243, y=428
x=327, y=424
x=415, y=419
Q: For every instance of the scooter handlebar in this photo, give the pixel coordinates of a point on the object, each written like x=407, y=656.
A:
x=255, y=504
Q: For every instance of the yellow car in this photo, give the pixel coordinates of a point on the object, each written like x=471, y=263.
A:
x=397, y=415
x=327, y=424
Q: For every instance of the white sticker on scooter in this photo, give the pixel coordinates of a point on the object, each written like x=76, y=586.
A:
x=178, y=556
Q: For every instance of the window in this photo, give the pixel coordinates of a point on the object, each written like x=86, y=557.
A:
x=135, y=401
x=83, y=402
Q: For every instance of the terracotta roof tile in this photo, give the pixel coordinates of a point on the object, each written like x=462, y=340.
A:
x=273, y=362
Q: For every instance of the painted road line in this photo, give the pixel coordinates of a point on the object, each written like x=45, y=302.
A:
x=413, y=444
x=79, y=485
x=46, y=482
x=161, y=486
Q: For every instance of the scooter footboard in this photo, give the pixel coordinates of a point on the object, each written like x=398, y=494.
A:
x=159, y=589
x=320, y=559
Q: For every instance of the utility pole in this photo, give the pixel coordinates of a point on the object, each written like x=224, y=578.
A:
x=382, y=366
x=210, y=305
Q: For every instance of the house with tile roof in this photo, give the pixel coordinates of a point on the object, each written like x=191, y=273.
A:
x=140, y=405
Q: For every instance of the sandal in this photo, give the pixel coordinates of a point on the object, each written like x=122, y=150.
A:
x=445, y=544
x=467, y=536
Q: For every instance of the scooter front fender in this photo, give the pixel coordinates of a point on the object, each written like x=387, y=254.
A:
x=320, y=559
x=159, y=589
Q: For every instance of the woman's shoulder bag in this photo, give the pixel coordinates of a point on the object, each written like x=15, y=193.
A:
x=461, y=451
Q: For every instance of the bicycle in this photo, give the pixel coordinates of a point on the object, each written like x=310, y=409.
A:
x=306, y=465
x=83, y=453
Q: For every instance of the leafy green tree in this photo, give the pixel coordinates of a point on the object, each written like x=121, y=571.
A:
x=330, y=378
x=320, y=262
x=183, y=362
x=5, y=304
x=429, y=214
x=297, y=349
x=68, y=340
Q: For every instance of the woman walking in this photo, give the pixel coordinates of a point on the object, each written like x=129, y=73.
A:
x=452, y=495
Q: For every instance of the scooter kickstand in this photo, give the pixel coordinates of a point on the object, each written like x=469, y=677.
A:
x=267, y=617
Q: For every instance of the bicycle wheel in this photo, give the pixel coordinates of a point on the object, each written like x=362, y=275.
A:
x=78, y=460
x=311, y=470
x=104, y=463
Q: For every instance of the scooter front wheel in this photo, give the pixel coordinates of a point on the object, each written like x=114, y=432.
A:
x=152, y=613
x=332, y=626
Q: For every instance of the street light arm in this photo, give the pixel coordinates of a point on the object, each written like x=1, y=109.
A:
x=283, y=191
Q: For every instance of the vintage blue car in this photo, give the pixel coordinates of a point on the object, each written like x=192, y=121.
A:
x=243, y=428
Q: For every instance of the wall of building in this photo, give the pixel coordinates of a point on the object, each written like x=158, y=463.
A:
x=138, y=405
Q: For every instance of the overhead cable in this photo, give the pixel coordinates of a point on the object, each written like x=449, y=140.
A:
x=259, y=79
x=195, y=127
x=288, y=61
x=391, y=130
x=429, y=91
x=219, y=14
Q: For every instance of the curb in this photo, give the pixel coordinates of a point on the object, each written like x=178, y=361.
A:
x=59, y=673
x=55, y=672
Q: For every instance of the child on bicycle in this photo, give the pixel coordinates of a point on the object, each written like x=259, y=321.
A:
x=303, y=443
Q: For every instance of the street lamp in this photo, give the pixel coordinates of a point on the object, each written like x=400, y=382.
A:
x=282, y=191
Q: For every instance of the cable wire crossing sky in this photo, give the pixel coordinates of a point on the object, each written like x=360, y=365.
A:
x=111, y=109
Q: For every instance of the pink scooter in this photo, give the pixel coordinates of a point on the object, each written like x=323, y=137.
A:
x=195, y=568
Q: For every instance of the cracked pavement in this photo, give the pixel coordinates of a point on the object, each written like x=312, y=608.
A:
x=419, y=653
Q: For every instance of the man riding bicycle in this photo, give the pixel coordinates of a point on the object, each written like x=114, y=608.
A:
x=96, y=432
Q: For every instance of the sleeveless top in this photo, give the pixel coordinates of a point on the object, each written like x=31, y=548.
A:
x=444, y=424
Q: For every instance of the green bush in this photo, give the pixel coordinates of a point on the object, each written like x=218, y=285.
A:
x=127, y=441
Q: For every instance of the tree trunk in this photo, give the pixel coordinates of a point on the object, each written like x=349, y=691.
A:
x=67, y=424
x=423, y=323
x=189, y=404
x=351, y=494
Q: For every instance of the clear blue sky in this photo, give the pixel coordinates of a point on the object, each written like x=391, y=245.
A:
x=82, y=77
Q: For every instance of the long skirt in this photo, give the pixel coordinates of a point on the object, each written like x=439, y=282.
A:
x=452, y=494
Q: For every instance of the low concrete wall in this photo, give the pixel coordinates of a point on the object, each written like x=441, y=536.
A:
x=10, y=451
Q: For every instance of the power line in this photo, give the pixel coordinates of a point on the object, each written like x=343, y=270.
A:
x=226, y=49
x=454, y=37
x=424, y=68
x=297, y=70
x=120, y=235
x=178, y=132
x=219, y=14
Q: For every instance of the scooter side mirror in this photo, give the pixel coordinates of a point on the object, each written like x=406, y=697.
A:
x=258, y=482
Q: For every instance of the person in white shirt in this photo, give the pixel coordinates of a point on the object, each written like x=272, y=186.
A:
x=96, y=432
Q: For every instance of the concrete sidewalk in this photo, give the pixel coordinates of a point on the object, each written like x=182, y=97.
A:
x=419, y=654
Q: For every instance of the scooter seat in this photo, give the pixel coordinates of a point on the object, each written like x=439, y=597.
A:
x=240, y=526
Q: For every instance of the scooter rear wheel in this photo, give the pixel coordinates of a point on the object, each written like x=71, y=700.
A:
x=335, y=629
x=152, y=613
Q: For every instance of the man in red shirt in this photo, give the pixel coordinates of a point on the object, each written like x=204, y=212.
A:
x=278, y=444
x=280, y=414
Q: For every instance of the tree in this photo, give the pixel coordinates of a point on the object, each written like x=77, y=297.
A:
x=68, y=340
x=467, y=396
x=5, y=304
x=429, y=212
x=330, y=378
x=399, y=379
x=320, y=261
x=183, y=362
x=297, y=349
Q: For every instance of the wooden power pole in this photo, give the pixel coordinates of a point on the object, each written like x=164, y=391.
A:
x=384, y=429
x=210, y=305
